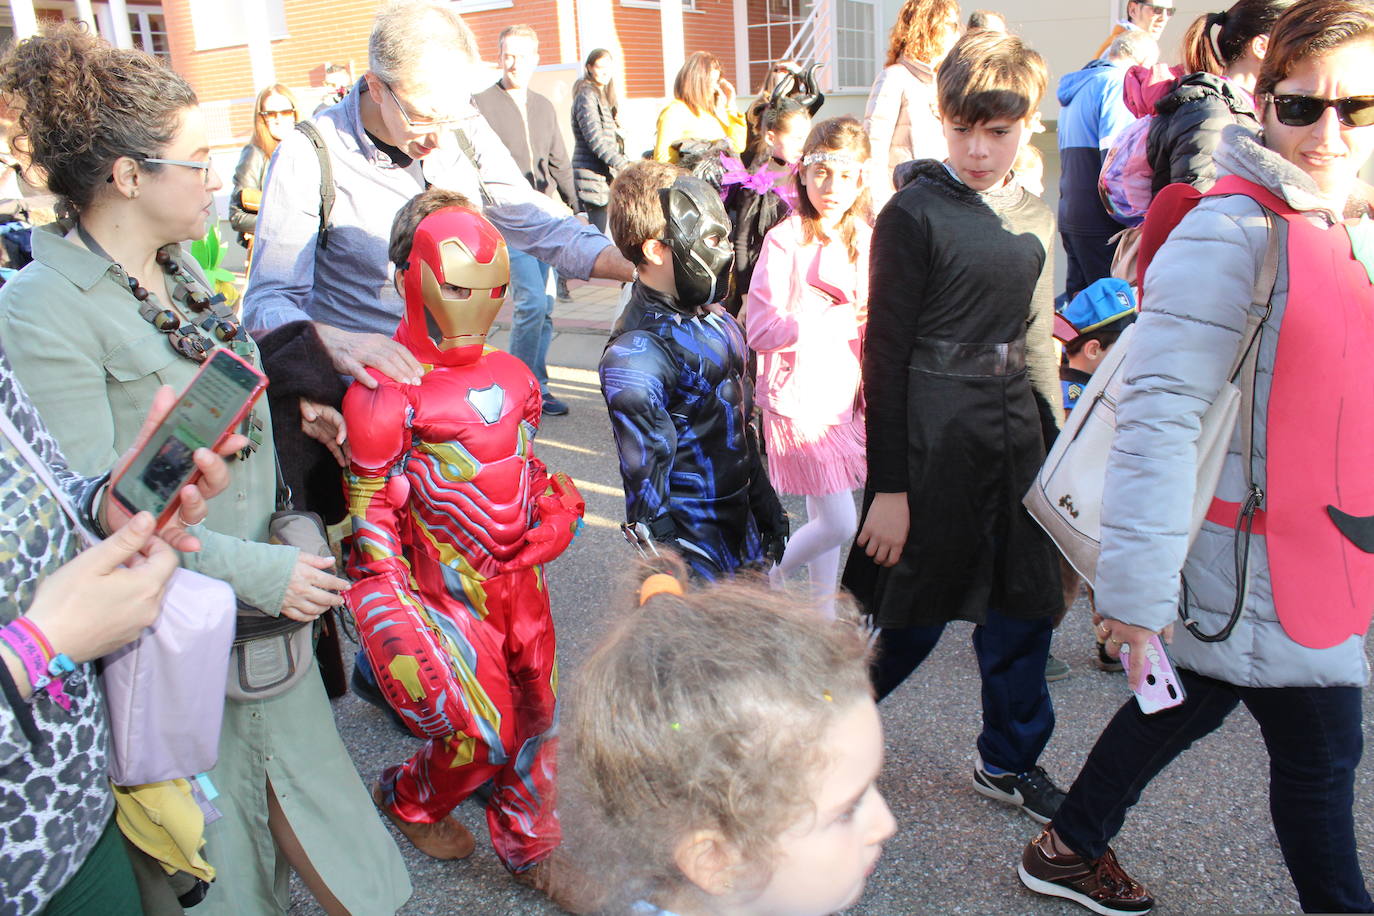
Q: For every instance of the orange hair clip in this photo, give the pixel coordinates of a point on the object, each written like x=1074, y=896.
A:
x=658, y=584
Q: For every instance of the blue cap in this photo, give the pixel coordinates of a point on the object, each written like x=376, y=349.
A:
x=1105, y=301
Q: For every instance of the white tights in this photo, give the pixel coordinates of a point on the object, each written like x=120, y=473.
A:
x=831, y=521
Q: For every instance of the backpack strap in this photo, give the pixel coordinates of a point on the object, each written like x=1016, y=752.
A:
x=465, y=145
x=312, y=133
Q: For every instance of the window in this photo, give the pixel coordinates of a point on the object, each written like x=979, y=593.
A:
x=773, y=24
x=148, y=28
x=225, y=25
x=839, y=33
x=688, y=6
x=477, y=6
x=856, y=54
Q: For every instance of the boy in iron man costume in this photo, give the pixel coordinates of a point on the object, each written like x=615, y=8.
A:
x=453, y=517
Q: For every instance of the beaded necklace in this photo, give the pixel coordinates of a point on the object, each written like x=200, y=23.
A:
x=211, y=323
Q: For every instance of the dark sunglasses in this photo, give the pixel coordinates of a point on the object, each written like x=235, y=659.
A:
x=1165, y=11
x=1302, y=110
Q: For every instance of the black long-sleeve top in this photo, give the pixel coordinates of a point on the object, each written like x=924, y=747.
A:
x=950, y=263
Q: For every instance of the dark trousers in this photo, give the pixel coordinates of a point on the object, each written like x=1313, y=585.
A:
x=1314, y=739
x=598, y=216
x=1018, y=717
x=1089, y=259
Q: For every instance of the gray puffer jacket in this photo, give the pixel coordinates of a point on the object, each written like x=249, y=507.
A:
x=1197, y=295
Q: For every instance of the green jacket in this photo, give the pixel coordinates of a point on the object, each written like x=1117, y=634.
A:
x=91, y=364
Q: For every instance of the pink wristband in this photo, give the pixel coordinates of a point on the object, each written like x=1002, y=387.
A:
x=36, y=634
x=35, y=662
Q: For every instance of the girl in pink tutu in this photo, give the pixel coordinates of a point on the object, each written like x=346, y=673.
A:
x=805, y=317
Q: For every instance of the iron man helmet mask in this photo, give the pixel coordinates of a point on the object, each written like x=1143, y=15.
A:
x=455, y=282
x=699, y=235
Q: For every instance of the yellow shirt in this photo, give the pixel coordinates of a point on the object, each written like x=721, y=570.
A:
x=677, y=122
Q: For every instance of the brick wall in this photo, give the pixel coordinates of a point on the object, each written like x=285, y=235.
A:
x=710, y=28
x=540, y=15
x=317, y=31
x=337, y=30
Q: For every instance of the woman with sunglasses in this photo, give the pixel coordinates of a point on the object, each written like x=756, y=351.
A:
x=1276, y=613
x=1222, y=56
x=274, y=115
x=110, y=310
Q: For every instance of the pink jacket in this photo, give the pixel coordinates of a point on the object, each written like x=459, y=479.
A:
x=805, y=317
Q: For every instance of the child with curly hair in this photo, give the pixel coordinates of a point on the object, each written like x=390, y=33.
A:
x=719, y=784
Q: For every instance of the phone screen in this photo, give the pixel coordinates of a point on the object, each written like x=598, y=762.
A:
x=199, y=420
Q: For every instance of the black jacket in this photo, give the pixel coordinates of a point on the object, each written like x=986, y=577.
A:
x=537, y=145
x=1187, y=129
x=598, y=153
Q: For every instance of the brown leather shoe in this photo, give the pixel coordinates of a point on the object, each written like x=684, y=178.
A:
x=443, y=839
x=1101, y=884
x=568, y=887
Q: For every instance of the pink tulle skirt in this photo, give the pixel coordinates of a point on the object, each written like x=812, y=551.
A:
x=815, y=460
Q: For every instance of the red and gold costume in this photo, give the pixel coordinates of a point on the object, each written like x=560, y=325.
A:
x=453, y=517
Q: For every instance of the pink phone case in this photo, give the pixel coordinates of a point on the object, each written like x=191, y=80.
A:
x=1160, y=688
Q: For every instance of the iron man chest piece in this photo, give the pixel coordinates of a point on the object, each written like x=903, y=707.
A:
x=487, y=402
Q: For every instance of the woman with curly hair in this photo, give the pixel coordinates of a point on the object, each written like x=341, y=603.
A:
x=901, y=118
x=111, y=310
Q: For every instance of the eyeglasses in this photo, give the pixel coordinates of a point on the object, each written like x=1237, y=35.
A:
x=284, y=113
x=1302, y=110
x=205, y=167
x=423, y=125
x=1165, y=11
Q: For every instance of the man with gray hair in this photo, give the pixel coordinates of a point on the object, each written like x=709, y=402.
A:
x=407, y=124
x=528, y=126
x=1094, y=113
x=1147, y=16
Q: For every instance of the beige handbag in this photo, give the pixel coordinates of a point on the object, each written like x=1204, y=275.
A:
x=1066, y=496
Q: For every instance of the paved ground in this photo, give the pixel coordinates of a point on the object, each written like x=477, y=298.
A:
x=1200, y=838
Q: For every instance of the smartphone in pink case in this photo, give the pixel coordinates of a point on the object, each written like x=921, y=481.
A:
x=1160, y=688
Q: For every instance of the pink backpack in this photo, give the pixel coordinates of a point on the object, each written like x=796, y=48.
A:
x=1126, y=177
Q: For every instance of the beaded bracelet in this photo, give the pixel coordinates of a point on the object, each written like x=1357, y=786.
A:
x=44, y=668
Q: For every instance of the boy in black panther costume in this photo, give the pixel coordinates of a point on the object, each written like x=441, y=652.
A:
x=674, y=378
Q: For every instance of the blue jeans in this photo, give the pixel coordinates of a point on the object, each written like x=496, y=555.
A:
x=1314, y=739
x=1018, y=717
x=532, y=322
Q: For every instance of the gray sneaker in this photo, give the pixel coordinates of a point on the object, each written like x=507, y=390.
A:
x=1033, y=791
x=1056, y=669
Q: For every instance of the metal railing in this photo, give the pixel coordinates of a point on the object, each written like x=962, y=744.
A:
x=815, y=41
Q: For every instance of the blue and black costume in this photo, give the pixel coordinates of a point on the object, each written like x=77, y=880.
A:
x=679, y=398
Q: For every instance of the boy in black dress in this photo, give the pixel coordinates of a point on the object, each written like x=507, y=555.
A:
x=961, y=384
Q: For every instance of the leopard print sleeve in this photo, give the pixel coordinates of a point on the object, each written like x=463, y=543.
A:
x=54, y=795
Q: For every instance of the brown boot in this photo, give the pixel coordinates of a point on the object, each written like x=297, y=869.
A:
x=443, y=839
x=568, y=887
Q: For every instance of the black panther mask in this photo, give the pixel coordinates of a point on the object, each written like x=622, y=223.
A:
x=699, y=235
